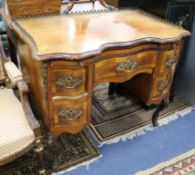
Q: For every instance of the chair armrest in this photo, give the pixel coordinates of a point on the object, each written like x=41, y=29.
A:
x=23, y=91
x=16, y=78
x=13, y=72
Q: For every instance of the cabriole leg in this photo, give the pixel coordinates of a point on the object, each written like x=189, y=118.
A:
x=162, y=105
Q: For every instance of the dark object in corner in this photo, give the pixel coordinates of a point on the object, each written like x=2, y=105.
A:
x=177, y=11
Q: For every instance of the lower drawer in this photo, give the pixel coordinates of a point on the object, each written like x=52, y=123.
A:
x=160, y=90
x=71, y=113
x=162, y=86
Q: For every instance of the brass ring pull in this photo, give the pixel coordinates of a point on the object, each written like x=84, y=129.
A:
x=170, y=62
x=127, y=66
x=70, y=114
x=68, y=82
x=163, y=85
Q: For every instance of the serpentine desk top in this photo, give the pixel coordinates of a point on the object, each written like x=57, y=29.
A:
x=77, y=36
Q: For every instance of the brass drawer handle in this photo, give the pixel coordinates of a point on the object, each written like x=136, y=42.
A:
x=70, y=114
x=170, y=62
x=68, y=82
x=163, y=85
x=127, y=66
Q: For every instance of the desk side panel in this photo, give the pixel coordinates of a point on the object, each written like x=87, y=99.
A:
x=33, y=74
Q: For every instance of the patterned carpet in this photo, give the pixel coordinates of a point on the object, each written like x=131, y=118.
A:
x=181, y=165
x=74, y=150
x=112, y=118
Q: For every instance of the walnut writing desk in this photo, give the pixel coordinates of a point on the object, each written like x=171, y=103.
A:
x=64, y=57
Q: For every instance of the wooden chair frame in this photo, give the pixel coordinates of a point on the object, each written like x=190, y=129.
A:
x=33, y=123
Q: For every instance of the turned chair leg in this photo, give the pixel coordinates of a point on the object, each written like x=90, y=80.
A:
x=39, y=152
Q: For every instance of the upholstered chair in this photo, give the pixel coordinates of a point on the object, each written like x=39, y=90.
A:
x=19, y=129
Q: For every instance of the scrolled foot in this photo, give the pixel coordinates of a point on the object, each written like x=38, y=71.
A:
x=156, y=114
x=149, y=107
x=155, y=121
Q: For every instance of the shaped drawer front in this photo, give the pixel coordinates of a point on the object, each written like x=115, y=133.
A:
x=162, y=86
x=70, y=113
x=168, y=62
x=165, y=70
x=68, y=80
x=124, y=66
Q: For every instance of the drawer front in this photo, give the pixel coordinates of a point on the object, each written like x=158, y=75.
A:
x=162, y=86
x=123, y=66
x=68, y=81
x=167, y=63
x=70, y=113
x=165, y=69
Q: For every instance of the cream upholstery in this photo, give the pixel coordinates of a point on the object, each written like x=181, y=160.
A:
x=13, y=72
x=15, y=132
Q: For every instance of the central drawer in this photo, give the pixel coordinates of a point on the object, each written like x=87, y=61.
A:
x=124, y=65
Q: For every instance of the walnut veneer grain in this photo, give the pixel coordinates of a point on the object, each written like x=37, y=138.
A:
x=79, y=34
x=64, y=57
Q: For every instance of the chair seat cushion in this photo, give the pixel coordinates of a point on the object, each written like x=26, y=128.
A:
x=15, y=132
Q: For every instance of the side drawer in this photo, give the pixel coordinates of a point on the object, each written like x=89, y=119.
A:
x=123, y=66
x=164, y=72
x=161, y=86
x=160, y=89
x=68, y=80
x=168, y=62
x=70, y=113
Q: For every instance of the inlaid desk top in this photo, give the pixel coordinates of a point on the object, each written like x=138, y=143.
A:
x=84, y=34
